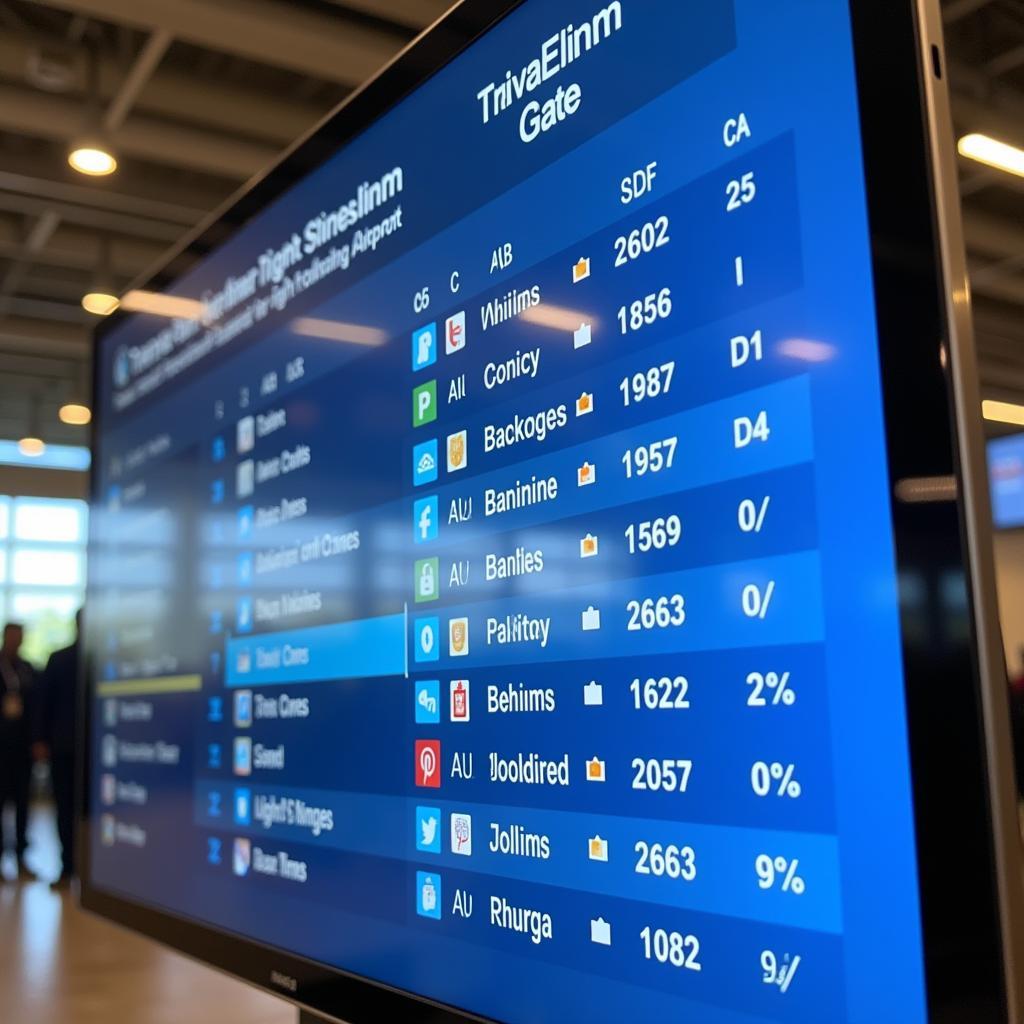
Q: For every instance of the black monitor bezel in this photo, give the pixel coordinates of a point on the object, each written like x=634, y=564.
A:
x=921, y=441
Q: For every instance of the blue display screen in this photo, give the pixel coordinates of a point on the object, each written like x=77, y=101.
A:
x=1006, y=472
x=492, y=588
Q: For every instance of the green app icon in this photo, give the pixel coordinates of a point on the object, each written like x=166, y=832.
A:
x=425, y=580
x=424, y=403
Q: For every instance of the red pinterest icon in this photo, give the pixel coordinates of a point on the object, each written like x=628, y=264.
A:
x=428, y=763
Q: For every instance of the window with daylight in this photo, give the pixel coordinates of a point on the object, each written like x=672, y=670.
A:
x=42, y=569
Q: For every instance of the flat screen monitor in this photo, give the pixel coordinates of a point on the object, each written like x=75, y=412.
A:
x=498, y=605
x=1006, y=468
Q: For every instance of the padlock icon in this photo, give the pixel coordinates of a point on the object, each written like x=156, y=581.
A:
x=426, y=580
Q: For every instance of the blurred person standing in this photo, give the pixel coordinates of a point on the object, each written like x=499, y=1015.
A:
x=57, y=732
x=17, y=720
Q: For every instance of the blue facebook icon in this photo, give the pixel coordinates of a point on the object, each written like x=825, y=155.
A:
x=424, y=519
x=424, y=347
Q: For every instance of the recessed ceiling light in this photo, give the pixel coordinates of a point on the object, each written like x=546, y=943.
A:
x=31, y=446
x=74, y=414
x=1003, y=412
x=100, y=303
x=987, y=150
x=93, y=160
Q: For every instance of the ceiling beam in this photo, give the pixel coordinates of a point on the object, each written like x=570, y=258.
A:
x=416, y=14
x=102, y=219
x=267, y=31
x=145, y=64
x=991, y=235
x=49, y=309
x=43, y=338
x=170, y=93
x=31, y=113
x=37, y=238
x=74, y=248
x=957, y=9
x=101, y=198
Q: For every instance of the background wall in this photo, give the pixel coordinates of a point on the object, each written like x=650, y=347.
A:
x=1009, y=547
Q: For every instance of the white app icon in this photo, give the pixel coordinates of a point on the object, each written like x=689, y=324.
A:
x=600, y=931
x=581, y=336
x=455, y=333
x=462, y=834
x=458, y=692
x=245, y=478
x=245, y=435
x=593, y=694
x=590, y=619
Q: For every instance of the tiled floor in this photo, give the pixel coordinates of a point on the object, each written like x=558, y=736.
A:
x=60, y=966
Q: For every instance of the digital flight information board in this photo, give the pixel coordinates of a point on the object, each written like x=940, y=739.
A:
x=492, y=591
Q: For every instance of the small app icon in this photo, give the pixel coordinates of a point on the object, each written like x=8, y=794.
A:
x=241, y=857
x=585, y=404
x=243, y=568
x=458, y=700
x=462, y=834
x=428, y=764
x=600, y=932
x=214, y=662
x=243, y=807
x=458, y=637
x=424, y=519
x=213, y=807
x=110, y=712
x=246, y=516
x=590, y=619
x=458, y=456
x=243, y=661
x=107, y=829
x=217, y=492
x=243, y=709
x=428, y=895
x=243, y=756
x=455, y=333
x=586, y=475
x=216, y=621
x=243, y=615
x=215, y=709
x=597, y=848
x=108, y=789
x=424, y=347
x=428, y=701
x=427, y=639
x=595, y=770
x=245, y=434
x=213, y=755
x=593, y=695
x=212, y=850
x=581, y=269
x=428, y=829
x=245, y=478
x=424, y=404
x=424, y=463
x=109, y=751
x=588, y=546
x=425, y=580
x=581, y=337
x=218, y=449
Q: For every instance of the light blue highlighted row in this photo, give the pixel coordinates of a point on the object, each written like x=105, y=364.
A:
x=360, y=649
x=778, y=877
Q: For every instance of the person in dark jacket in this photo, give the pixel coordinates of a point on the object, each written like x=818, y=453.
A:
x=17, y=731
x=58, y=733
